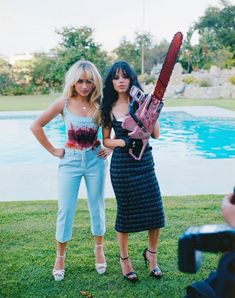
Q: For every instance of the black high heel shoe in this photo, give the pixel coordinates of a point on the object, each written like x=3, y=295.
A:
x=156, y=272
x=130, y=276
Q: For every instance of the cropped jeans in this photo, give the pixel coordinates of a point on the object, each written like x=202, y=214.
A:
x=72, y=167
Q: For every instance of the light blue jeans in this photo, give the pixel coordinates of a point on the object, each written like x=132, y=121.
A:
x=72, y=167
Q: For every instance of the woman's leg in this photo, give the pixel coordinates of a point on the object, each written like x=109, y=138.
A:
x=97, y=215
x=70, y=172
x=123, y=244
x=150, y=252
x=99, y=251
x=95, y=181
x=58, y=270
x=69, y=179
x=124, y=257
x=100, y=262
x=59, y=261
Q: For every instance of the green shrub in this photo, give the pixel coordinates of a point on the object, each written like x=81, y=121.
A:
x=24, y=90
x=189, y=80
x=146, y=79
x=16, y=90
x=42, y=90
x=232, y=80
x=205, y=82
x=13, y=90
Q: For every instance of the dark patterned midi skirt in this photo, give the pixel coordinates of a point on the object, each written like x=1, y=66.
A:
x=139, y=204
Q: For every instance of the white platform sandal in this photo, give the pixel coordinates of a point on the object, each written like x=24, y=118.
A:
x=100, y=267
x=58, y=274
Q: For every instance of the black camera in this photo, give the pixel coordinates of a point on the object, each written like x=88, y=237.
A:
x=207, y=238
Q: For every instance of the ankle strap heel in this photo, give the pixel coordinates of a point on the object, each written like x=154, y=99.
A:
x=100, y=267
x=130, y=276
x=64, y=255
x=152, y=252
x=156, y=272
x=98, y=245
x=123, y=259
x=58, y=274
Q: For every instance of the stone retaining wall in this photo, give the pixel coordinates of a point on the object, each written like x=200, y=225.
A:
x=213, y=83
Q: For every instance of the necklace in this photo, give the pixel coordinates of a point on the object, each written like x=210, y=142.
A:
x=85, y=106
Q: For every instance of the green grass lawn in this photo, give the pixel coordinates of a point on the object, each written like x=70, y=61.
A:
x=28, y=251
x=41, y=102
x=26, y=103
x=27, y=246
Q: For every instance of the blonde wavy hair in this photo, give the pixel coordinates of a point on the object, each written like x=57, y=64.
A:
x=74, y=74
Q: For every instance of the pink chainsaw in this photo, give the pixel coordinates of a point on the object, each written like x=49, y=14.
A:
x=141, y=122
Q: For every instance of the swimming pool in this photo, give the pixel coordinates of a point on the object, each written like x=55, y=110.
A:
x=182, y=135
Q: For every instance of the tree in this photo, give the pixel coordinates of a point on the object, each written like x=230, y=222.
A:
x=77, y=38
x=133, y=53
x=14, y=80
x=216, y=30
x=155, y=55
x=223, y=58
x=41, y=66
x=129, y=52
x=144, y=43
x=76, y=44
x=186, y=53
x=221, y=22
x=5, y=75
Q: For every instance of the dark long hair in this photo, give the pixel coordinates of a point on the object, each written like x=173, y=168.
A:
x=110, y=96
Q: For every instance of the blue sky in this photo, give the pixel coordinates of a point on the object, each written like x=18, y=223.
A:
x=28, y=26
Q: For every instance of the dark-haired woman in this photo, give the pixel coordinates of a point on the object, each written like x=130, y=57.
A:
x=139, y=204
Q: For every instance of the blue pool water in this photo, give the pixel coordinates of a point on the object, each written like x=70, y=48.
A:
x=181, y=135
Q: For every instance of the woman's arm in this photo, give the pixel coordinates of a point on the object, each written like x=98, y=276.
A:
x=37, y=127
x=111, y=143
x=156, y=131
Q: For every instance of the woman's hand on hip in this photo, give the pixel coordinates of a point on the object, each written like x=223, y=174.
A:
x=104, y=152
x=59, y=152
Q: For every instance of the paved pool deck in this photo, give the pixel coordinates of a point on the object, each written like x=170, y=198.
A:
x=177, y=176
x=205, y=111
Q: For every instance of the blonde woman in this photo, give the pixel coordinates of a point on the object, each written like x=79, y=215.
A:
x=81, y=156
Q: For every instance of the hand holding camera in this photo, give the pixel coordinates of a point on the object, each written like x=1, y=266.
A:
x=211, y=238
x=228, y=208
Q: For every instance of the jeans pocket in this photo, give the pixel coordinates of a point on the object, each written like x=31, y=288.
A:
x=61, y=161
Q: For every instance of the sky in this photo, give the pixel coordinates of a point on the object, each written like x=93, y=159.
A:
x=28, y=26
